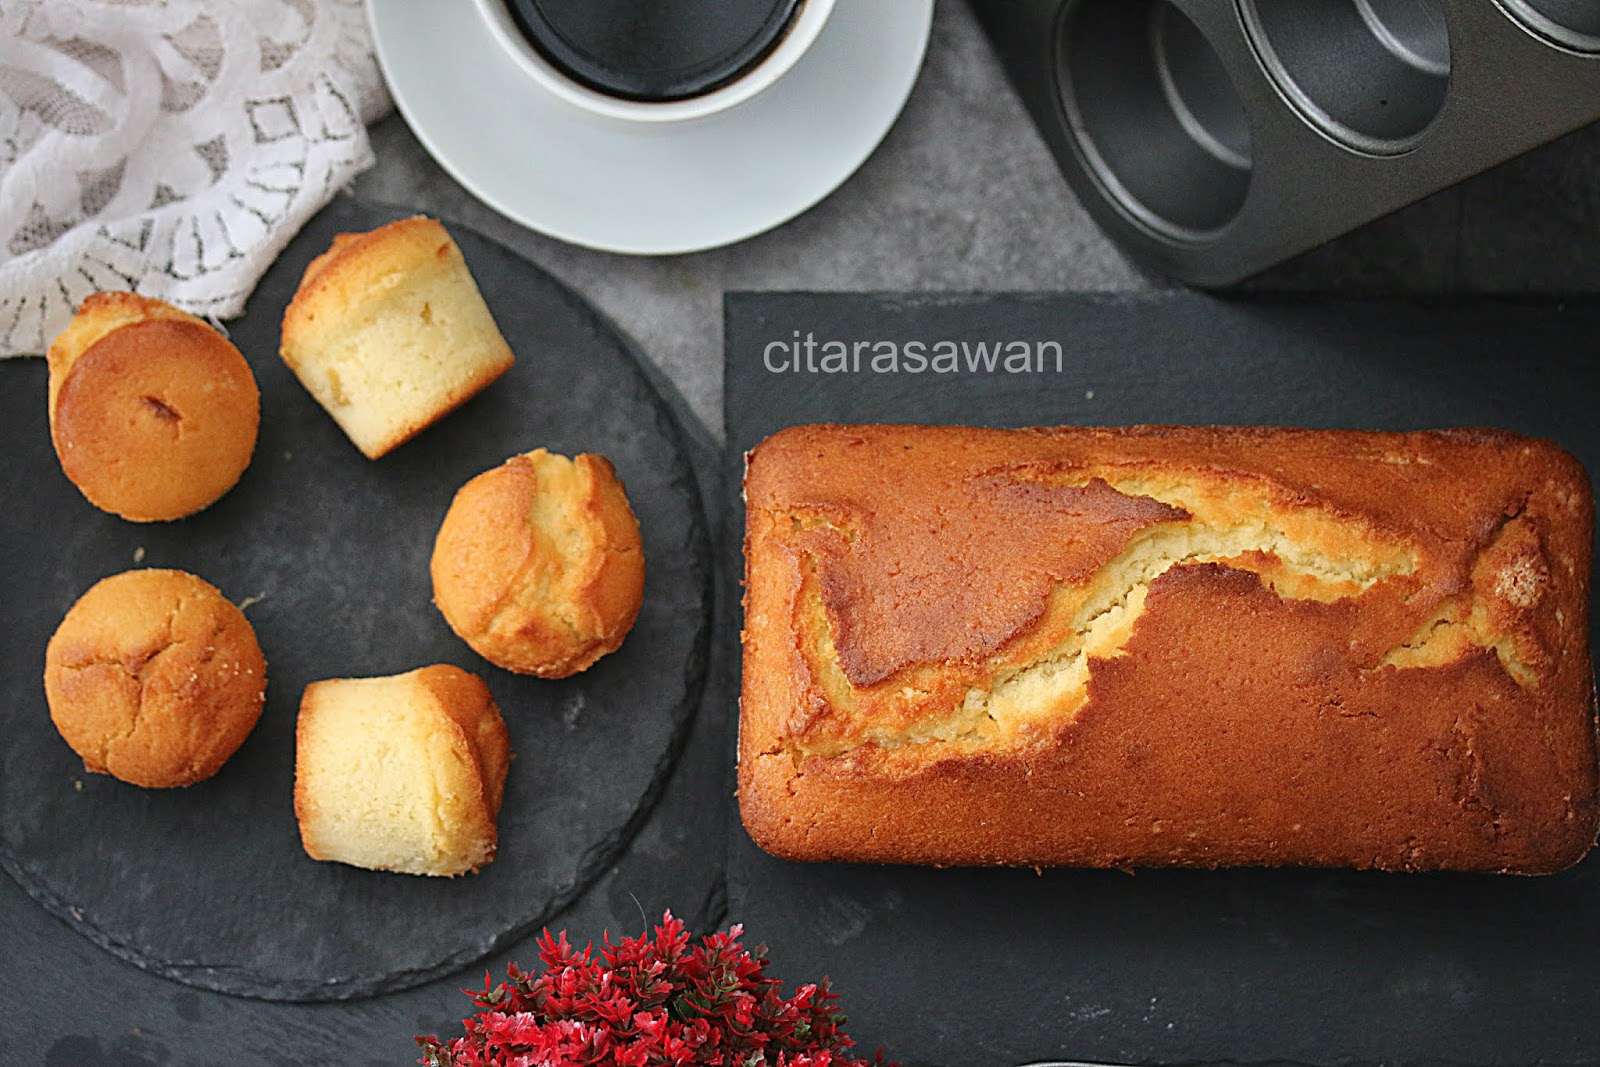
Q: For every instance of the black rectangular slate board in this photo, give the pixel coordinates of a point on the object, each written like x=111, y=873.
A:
x=970, y=967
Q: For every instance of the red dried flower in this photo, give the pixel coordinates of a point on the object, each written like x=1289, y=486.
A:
x=649, y=1002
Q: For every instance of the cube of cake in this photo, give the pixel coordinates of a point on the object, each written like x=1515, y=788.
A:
x=389, y=333
x=404, y=773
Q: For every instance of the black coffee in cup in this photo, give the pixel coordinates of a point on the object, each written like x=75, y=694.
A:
x=654, y=50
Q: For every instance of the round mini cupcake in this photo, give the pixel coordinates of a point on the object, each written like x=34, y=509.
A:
x=538, y=564
x=152, y=412
x=155, y=678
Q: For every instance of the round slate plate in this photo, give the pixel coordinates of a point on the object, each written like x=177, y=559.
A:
x=209, y=885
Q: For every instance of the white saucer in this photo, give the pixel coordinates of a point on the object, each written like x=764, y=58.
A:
x=649, y=190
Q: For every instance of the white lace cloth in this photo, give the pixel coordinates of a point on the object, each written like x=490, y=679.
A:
x=172, y=147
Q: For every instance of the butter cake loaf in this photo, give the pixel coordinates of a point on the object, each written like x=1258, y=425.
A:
x=1168, y=646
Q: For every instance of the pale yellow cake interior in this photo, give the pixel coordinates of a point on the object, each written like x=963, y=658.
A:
x=387, y=780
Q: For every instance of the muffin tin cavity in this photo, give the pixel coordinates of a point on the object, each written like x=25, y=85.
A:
x=1573, y=24
x=1154, y=114
x=1214, y=138
x=1371, y=74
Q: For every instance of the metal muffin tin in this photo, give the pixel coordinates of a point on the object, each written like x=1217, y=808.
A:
x=1215, y=138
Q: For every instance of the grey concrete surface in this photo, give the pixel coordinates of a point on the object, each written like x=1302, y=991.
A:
x=962, y=195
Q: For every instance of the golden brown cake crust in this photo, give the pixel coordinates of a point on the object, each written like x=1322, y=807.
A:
x=1168, y=645
x=538, y=564
x=466, y=699
x=153, y=414
x=155, y=678
x=345, y=272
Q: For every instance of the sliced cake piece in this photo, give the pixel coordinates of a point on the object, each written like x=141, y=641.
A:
x=389, y=332
x=404, y=773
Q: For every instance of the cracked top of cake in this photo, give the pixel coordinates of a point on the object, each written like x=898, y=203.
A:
x=918, y=595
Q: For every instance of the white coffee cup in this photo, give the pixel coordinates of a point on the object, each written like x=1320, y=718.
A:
x=797, y=39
